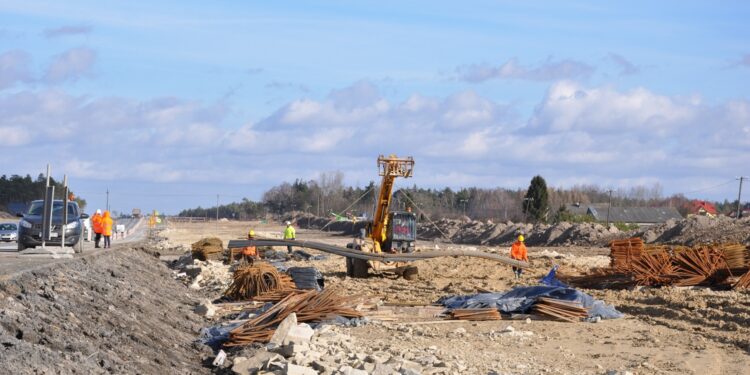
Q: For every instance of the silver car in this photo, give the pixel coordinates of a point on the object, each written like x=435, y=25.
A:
x=8, y=232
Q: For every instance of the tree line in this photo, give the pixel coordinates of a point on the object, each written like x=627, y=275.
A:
x=20, y=190
x=328, y=195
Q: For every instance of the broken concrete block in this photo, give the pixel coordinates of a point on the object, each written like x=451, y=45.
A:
x=206, y=309
x=299, y=370
x=508, y=329
x=301, y=333
x=247, y=366
x=410, y=368
x=287, y=324
x=383, y=369
x=220, y=358
x=348, y=370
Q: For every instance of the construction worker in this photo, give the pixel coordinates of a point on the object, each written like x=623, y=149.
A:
x=96, y=226
x=249, y=253
x=107, y=225
x=289, y=234
x=518, y=252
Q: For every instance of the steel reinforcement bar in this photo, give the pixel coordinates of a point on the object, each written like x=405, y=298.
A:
x=382, y=257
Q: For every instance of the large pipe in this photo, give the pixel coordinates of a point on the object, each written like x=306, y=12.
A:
x=382, y=257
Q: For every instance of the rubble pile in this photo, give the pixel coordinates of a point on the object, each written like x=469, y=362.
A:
x=211, y=276
x=329, y=350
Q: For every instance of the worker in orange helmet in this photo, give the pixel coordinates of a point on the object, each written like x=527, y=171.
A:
x=518, y=252
x=107, y=225
x=96, y=226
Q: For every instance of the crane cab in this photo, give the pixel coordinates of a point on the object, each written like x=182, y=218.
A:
x=401, y=232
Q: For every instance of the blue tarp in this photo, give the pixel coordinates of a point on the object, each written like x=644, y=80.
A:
x=520, y=299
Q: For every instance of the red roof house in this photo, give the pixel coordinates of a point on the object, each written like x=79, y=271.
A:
x=698, y=207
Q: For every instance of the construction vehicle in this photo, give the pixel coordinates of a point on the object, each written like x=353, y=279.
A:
x=389, y=232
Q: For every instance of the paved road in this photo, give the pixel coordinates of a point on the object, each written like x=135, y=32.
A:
x=11, y=262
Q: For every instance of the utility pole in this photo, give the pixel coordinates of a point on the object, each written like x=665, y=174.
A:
x=739, y=195
x=217, y=214
x=609, y=206
x=107, y=206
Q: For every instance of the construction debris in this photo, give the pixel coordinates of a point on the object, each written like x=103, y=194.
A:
x=308, y=306
x=558, y=309
x=208, y=248
x=743, y=282
x=476, y=314
x=259, y=281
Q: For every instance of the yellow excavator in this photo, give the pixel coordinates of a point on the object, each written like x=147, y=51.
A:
x=390, y=231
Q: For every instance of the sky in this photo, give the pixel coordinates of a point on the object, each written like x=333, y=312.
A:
x=170, y=104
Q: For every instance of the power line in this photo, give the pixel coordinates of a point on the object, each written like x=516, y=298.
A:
x=710, y=187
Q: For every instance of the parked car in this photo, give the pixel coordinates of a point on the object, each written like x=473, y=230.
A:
x=30, y=226
x=8, y=232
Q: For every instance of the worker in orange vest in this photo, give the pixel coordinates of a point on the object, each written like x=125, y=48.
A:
x=518, y=252
x=249, y=253
x=107, y=224
x=96, y=226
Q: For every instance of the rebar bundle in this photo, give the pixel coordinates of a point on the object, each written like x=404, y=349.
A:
x=476, y=314
x=259, y=281
x=308, y=306
x=560, y=310
x=653, y=269
x=695, y=266
x=624, y=252
x=743, y=282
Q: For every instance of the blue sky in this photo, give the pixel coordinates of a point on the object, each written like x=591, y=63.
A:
x=170, y=103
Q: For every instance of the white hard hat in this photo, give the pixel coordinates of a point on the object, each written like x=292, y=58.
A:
x=98, y=211
x=288, y=223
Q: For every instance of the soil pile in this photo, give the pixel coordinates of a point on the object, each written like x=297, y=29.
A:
x=113, y=312
x=698, y=230
x=691, y=231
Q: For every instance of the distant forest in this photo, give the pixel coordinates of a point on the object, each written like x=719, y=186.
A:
x=17, y=190
x=328, y=195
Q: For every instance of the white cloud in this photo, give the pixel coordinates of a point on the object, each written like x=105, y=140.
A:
x=569, y=106
x=70, y=65
x=549, y=70
x=14, y=68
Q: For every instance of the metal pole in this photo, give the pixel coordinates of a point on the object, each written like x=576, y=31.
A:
x=739, y=196
x=609, y=206
x=64, y=223
x=217, y=214
x=107, y=206
x=45, y=233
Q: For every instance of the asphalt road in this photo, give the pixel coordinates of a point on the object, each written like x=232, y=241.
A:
x=12, y=263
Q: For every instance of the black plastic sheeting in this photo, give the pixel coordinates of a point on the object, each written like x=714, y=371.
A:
x=520, y=299
x=306, y=277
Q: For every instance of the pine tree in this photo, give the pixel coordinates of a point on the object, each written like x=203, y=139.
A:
x=536, y=201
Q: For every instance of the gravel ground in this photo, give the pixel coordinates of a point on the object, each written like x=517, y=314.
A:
x=113, y=312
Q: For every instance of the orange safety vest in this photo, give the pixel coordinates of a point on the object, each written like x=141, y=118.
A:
x=96, y=223
x=250, y=251
x=518, y=251
x=107, y=224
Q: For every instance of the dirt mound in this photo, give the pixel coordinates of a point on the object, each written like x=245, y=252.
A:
x=489, y=233
x=698, y=230
x=114, y=312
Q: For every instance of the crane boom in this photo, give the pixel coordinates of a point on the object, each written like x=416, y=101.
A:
x=389, y=168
